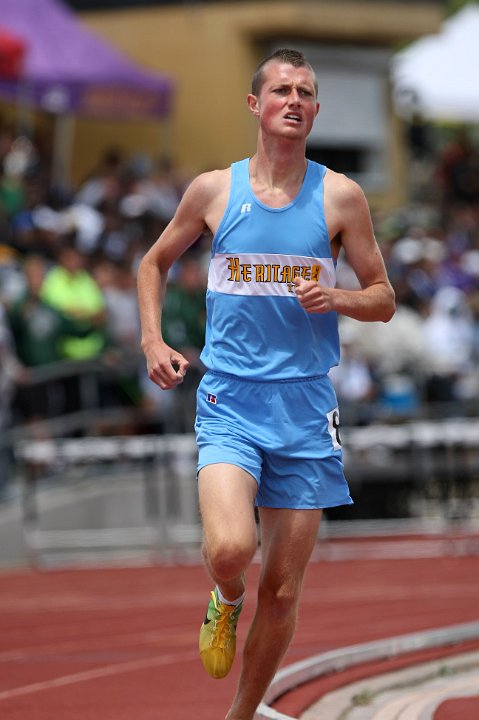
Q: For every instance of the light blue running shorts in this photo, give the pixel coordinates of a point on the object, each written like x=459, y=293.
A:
x=285, y=434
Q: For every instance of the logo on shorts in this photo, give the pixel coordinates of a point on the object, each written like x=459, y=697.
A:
x=211, y=398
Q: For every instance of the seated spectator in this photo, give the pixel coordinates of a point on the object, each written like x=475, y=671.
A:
x=353, y=381
x=118, y=286
x=122, y=325
x=113, y=242
x=395, y=354
x=15, y=163
x=184, y=313
x=12, y=281
x=160, y=190
x=38, y=330
x=70, y=288
x=10, y=373
x=458, y=170
x=183, y=322
x=449, y=339
x=104, y=184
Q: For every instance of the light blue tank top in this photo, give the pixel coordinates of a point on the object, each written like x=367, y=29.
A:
x=256, y=329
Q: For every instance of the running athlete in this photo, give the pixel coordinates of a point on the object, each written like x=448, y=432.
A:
x=267, y=416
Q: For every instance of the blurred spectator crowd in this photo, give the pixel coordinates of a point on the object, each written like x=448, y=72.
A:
x=68, y=261
x=425, y=361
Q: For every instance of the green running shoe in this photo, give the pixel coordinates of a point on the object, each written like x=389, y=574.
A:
x=218, y=636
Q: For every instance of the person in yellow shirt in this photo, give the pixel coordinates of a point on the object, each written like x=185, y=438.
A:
x=71, y=289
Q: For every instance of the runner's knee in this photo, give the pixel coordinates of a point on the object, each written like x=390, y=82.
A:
x=228, y=559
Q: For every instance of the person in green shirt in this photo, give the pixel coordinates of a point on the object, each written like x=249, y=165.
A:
x=38, y=330
x=71, y=289
x=184, y=316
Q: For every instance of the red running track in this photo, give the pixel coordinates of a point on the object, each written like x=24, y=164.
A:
x=120, y=643
x=461, y=709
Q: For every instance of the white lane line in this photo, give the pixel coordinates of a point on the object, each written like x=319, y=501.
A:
x=106, y=671
x=79, y=603
x=82, y=645
x=409, y=705
x=469, y=686
x=428, y=713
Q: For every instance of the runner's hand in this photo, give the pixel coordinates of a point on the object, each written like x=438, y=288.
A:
x=313, y=297
x=166, y=367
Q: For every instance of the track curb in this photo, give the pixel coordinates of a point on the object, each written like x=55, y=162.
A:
x=305, y=671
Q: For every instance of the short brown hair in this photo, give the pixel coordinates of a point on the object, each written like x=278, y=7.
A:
x=283, y=55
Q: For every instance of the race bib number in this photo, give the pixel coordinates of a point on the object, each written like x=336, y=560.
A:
x=333, y=427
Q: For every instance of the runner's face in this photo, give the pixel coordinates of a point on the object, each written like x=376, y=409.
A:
x=287, y=103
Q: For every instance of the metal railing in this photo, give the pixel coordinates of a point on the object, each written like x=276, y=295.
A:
x=431, y=465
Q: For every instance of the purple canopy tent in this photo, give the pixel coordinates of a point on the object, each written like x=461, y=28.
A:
x=69, y=69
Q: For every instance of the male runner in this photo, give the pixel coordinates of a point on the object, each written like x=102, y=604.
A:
x=267, y=416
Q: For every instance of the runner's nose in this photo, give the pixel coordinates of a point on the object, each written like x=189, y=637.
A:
x=294, y=97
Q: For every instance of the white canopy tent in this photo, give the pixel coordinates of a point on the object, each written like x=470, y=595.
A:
x=437, y=76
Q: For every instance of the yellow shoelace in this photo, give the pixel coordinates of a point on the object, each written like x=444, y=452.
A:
x=222, y=631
